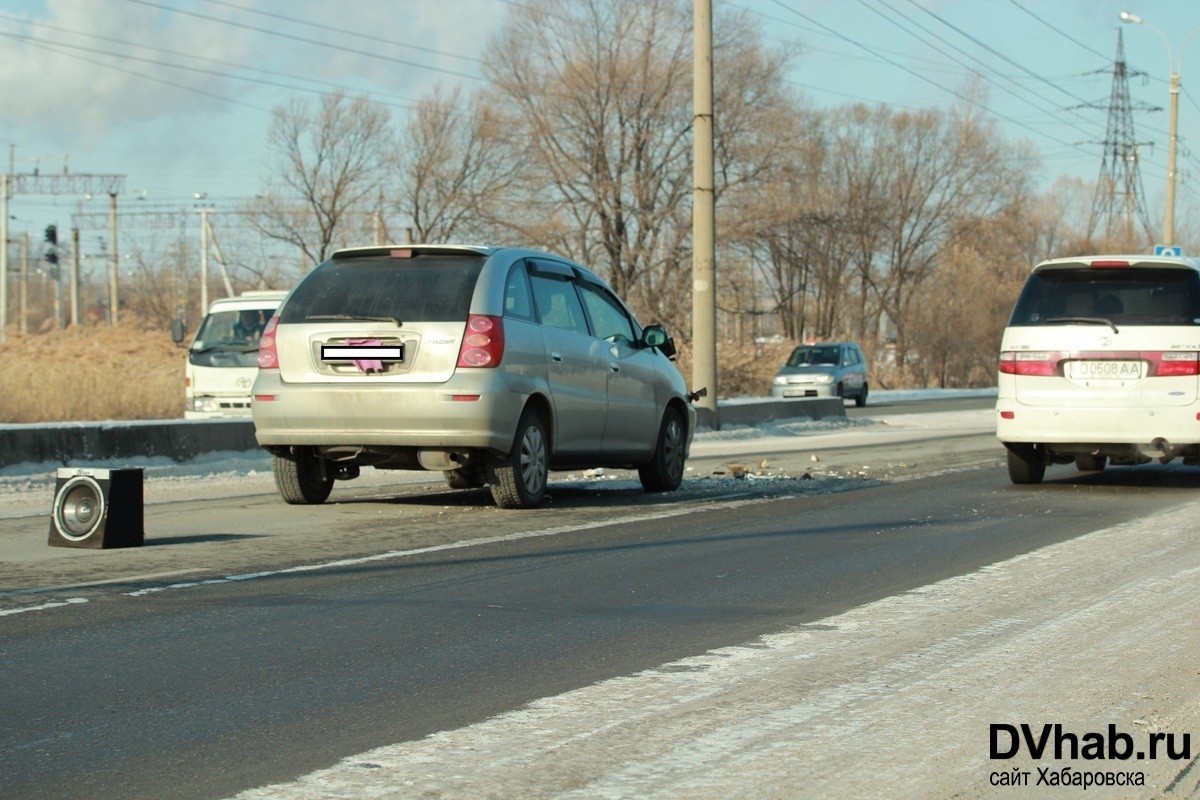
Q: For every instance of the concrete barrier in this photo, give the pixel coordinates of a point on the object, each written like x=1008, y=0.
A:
x=752, y=412
x=179, y=440
x=183, y=440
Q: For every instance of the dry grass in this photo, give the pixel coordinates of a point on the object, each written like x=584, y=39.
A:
x=88, y=373
x=134, y=371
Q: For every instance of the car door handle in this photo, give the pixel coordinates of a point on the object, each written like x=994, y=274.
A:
x=556, y=357
x=615, y=367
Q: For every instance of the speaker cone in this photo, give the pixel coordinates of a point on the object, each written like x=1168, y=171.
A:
x=79, y=508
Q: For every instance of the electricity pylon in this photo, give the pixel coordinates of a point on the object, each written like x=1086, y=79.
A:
x=1119, y=206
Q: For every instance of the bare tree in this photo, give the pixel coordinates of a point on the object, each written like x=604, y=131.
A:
x=600, y=94
x=456, y=164
x=942, y=172
x=330, y=167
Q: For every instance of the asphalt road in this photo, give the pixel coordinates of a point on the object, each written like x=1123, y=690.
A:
x=251, y=643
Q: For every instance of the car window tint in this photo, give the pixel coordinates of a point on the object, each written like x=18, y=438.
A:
x=557, y=303
x=517, y=301
x=1144, y=296
x=426, y=288
x=609, y=319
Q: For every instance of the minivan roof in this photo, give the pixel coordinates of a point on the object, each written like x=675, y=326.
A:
x=1134, y=261
x=257, y=298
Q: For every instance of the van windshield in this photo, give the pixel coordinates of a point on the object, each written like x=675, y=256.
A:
x=433, y=287
x=230, y=338
x=1135, y=296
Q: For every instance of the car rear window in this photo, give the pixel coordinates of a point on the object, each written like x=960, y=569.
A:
x=1133, y=296
x=423, y=288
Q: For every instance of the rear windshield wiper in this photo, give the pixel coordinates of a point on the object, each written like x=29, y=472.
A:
x=1084, y=321
x=350, y=318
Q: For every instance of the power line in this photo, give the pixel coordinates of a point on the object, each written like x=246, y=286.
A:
x=175, y=54
x=330, y=28
x=302, y=40
x=59, y=50
x=919, y=76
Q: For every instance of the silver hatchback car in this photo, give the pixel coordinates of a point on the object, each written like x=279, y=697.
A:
x=491, y=364
x=825, y=369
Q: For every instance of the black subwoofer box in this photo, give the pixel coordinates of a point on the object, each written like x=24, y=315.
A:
x=97, y=508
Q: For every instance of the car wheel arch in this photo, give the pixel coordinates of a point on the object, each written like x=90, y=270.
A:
x=540, y=404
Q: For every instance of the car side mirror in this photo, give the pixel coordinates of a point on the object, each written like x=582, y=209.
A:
x=656, y=336
x=177, y=331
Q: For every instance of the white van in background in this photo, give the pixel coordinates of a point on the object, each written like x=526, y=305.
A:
x=223, y=360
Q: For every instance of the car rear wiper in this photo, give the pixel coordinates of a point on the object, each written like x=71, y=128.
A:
x=350, y=318
x=1085, y=321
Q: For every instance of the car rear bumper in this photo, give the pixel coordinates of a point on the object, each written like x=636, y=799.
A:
x=1177, y=425
x=795, y=390
x=479, y=412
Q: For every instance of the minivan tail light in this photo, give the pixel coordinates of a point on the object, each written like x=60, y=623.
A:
x=1032, y=362
x=1109, y=264
x=1176, y=363
x=483, y=342
x=268, y=355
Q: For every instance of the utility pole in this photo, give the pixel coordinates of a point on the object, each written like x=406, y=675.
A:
x=114, y=262
x=1175, y=64
x=66, y=183
x=74, y=275
x=704, y=288
x=23, y=308
x=4, y=195
x=203, y=260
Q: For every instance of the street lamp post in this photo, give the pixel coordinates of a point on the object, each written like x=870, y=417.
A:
x=1174, y=65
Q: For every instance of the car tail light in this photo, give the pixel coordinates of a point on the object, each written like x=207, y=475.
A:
x=268, y=356
x=1110, y=265
x=1033, y=362
x=1175, y=363
x=483, y=343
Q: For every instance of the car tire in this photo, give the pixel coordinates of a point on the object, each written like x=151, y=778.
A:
x=518, y=479
x=300, y=479
x=1091, y=463
x=861, y=400
x=664, y=471
x=1026, y=466
x=464, y=478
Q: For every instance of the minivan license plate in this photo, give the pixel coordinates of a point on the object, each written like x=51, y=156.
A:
x=1105, y=370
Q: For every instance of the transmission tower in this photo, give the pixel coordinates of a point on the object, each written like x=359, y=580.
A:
x=1119, y=206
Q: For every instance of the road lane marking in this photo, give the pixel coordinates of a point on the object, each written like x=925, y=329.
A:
x=54, y=604
x=463, y=544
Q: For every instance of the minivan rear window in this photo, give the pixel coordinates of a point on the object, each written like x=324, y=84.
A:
x=1134, y=296
x=425, y=288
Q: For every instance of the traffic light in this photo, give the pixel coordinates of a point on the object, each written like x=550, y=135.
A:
x=52, y=234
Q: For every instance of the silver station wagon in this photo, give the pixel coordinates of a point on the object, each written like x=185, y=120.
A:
x=491, y=364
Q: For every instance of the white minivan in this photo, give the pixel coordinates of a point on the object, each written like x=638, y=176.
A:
x=1100, y=364
x=223, y=358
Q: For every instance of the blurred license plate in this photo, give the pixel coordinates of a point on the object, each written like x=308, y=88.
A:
x=1105, y=370
x=362, y=352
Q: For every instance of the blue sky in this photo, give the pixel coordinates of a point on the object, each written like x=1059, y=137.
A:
x=85, y=85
